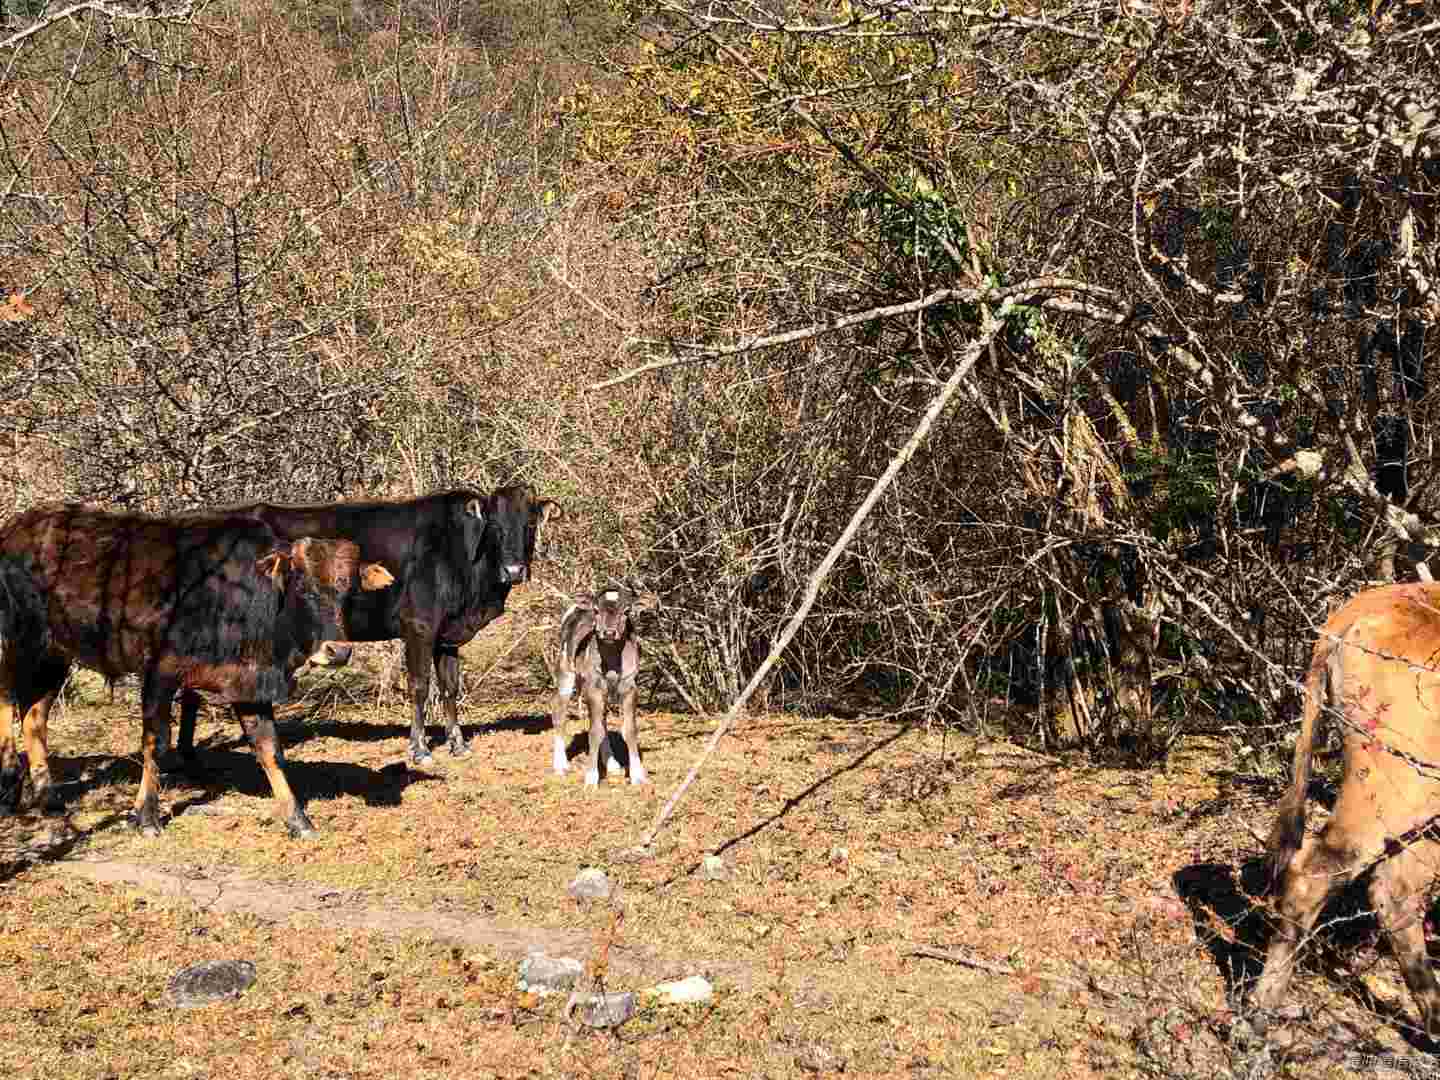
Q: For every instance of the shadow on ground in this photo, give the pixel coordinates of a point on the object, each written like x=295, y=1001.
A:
x=1231, y=920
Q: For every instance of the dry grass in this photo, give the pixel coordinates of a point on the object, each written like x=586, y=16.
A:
x=850, y=845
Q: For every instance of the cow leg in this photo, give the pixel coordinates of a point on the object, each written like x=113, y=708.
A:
x=11, y=783
x=599, y=745
x=185, y=737
x=419, y=652
x=258, y=720
x=1317, y=868
x=564, y=694
x=632, y=737
x=447, y=670
x=37, y=737
x=1398, y=892
x=29, y=681
x=155, y=700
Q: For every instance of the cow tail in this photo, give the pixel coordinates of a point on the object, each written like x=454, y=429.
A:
x=1322, y=684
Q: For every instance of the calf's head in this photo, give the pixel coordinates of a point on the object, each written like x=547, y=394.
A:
x=315, y=578
x=611, y=610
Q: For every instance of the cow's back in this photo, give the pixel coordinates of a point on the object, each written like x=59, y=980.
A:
x=120, y=589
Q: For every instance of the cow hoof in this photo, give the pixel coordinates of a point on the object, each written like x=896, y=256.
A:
x=300, y=826
x=592, y=777
x=422, y=761
x=145, y=827
x=639, y=779
x=460, y=750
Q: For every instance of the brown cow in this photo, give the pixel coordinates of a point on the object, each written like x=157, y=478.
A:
x=599, y=654
x=219, y=604
x=1377, y=665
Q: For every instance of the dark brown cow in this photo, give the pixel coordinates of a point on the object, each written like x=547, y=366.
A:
x=599, y=656
x=455, y=557
x=220, y=604
x=1375, y=665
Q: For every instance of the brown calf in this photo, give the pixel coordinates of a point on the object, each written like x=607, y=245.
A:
x=1377, y=665
x=218, y=604
x=599, y=656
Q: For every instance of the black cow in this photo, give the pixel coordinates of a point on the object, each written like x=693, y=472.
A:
x=455, y=556
x=219, y=604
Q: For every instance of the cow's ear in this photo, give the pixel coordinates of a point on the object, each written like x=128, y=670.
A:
x=275, y=566
x=374, y=576
x=474, y=509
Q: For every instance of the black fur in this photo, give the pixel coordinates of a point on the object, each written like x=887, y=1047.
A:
x=451, y=578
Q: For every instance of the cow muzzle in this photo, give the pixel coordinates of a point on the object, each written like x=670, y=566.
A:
x=331, y=654
x=513, y=574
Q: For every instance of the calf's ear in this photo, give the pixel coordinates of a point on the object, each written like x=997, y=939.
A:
x=275, y=566
x=374, y=576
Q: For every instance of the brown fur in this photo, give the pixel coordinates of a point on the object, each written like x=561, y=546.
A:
x=1377, y=664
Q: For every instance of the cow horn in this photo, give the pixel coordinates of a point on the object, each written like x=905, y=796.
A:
x=474, y=509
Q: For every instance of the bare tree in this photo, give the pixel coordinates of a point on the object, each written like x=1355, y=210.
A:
x=1216, y=231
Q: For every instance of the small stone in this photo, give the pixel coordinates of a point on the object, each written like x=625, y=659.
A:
x=713, y=868
x=600, y=1010
x=543, y=974
x=591, y=884
x=684, y=991
x=214, y=980
x=819, y=1058
x=839, y=854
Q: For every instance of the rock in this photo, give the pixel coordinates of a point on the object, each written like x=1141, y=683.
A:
x=713, y=868
x=819, y=1058
x=214, y=980
x=543, y=974
x=591, y=884
x=600, y=1010
x=684, y=991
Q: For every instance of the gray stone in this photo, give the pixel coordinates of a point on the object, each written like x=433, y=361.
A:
x=600, y=1010
x=684, y=991
x=713, y=868
x=545, y=974
x=591, y=884
x=214, y=980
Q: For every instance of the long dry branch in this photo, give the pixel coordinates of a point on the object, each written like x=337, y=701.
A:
x=827, y=564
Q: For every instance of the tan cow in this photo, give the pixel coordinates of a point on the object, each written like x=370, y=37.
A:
x=1376, y=665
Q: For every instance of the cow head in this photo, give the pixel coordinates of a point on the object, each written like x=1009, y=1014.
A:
x=315, y=578
x=611, y=609
x=515, y=516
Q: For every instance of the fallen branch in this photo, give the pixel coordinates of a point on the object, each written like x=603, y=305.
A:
x=993, y=967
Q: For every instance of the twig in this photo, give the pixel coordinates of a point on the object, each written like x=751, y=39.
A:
x=812, y=588
x=993, y=967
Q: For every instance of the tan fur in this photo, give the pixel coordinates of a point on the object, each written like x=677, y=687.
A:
x=1377, y=662
x=374, y=576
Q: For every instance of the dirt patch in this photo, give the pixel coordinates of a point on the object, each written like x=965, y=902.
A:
x=233, y=894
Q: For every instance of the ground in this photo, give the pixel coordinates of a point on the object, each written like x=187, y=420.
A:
x=900, y=901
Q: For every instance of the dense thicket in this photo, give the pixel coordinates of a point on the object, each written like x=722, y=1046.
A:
x=382, y=248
